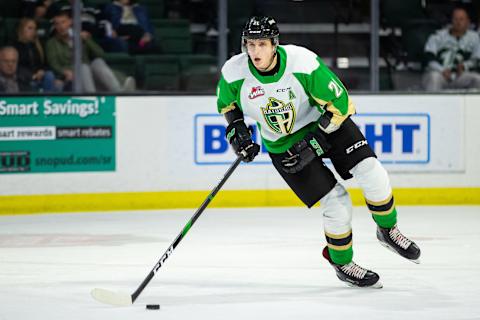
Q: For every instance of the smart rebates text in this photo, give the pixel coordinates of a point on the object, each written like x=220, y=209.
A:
x=81, y=109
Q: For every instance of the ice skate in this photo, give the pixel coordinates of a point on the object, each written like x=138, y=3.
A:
x=354, y=275
x=394, y=240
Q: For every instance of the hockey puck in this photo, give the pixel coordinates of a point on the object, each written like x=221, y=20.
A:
x=153, y=306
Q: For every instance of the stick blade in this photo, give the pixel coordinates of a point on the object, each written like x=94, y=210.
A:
x=112, y=298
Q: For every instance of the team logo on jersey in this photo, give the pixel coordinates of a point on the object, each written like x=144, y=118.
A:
x=279, y=116
x=256, y=92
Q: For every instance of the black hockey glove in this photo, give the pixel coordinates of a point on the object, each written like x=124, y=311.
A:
x=304, y=151
x=240, y=137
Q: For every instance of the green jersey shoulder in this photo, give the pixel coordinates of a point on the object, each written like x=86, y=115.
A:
x=284, y=105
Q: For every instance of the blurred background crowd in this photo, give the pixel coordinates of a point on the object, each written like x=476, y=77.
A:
x=172, y=45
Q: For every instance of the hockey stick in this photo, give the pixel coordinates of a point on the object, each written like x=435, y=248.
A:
x=124, y=299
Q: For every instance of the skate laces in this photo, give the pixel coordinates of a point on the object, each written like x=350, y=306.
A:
x=399, y=238
x=354, y=270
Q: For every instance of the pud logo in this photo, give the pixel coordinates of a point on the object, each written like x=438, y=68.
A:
x=256, y=92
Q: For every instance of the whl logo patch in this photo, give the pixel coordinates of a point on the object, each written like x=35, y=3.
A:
x=279, y=116
x=256, y=92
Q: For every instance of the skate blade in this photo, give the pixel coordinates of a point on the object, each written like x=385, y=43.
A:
x=417, y=261
x=376, y=285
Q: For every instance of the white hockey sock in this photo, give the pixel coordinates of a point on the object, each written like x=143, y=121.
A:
x=337, y=213
x=375, y=184
x=337, y=210
x=373, y=180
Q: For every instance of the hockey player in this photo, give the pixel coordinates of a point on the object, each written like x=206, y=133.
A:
x=303, y=114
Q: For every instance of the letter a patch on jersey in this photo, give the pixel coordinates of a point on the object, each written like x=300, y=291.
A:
x=291, y=95
x=279, y=116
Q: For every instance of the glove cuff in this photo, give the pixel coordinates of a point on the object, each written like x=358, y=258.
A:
x=316, y=146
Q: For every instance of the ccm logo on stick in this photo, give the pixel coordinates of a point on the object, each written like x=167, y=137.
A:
x=163, y=259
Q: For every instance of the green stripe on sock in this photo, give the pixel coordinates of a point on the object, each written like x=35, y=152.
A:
x=387, y=221
x=341, y=256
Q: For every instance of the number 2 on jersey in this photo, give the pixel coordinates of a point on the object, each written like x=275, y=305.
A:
x=335, y=88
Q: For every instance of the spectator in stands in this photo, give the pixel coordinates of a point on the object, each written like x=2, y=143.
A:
x=88, y=16
x=93, y=23
x=94, y=71
x=32, y=58
x=453, y=54
x=36, y=9
x=130, y=22
x=11, y=81
x=58, y=5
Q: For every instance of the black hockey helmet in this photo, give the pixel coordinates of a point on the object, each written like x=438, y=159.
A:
x=260, y=27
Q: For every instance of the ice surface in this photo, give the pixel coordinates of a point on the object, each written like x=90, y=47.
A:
x=235, y=264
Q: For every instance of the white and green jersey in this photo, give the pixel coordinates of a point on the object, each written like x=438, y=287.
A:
x=288, y=104
x=446, y=51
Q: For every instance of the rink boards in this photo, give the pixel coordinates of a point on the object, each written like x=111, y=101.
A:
x=169, y=151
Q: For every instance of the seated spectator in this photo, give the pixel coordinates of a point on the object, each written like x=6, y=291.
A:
x=95, y=73
x=88, y=15
x=11, y=81
x=453, y=54
x=56, y=6
x=93, y=23
x=32, y=58
x=130, y=22
x=36, y=9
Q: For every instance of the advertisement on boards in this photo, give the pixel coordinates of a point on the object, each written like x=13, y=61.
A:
x=57, y=134
x=407, y=134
